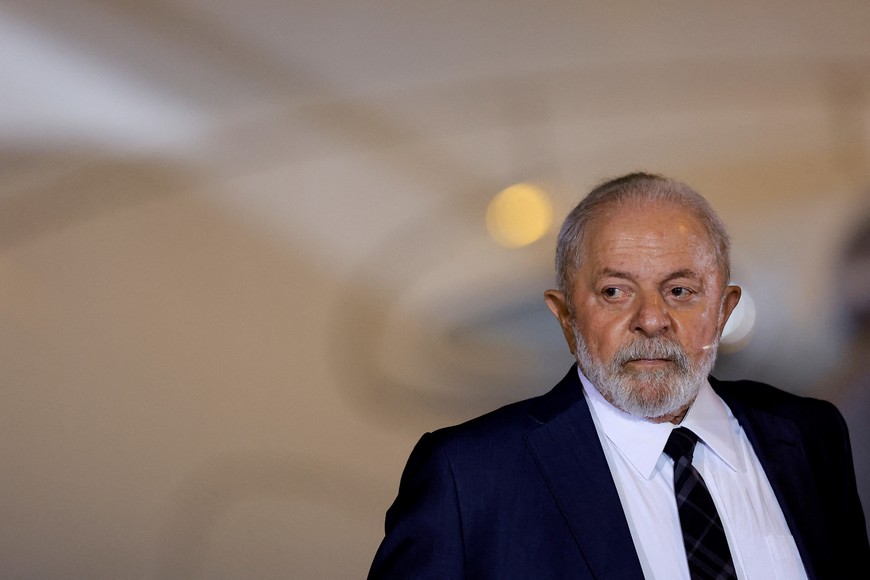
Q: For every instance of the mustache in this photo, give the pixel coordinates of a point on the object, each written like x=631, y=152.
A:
x=652, y=348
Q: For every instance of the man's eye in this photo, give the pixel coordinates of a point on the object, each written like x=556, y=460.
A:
x=612, y=292
x=680, y=292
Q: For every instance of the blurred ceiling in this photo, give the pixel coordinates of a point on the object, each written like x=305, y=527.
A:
x=375, y=133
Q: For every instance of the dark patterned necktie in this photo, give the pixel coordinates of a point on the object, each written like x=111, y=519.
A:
x=703, y=534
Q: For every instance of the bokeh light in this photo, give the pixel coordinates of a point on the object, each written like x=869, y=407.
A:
x=519, y=215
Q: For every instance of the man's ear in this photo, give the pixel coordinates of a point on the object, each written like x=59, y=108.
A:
x=558, y=305
x=729, y=303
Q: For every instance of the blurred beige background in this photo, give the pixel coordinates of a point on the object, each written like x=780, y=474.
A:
x=243, y=261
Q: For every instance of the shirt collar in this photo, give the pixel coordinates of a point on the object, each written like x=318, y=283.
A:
x=642, y=442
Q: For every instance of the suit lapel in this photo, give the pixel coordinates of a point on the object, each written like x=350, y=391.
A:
x=569, y=456
x=778, y=444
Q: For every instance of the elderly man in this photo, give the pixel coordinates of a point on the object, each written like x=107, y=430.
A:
x=637, y=464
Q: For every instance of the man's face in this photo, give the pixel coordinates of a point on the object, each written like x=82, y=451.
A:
x=646, y=308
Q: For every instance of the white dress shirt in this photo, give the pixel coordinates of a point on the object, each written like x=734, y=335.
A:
x=761, y=544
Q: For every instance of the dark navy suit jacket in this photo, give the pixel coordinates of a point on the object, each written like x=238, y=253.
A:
x=525, y=491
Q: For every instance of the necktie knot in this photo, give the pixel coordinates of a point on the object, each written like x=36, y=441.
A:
x=681, y=443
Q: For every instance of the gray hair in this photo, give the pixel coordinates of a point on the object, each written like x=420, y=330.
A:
x=635, y=188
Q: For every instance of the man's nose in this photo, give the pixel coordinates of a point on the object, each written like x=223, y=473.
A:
x=651, y=317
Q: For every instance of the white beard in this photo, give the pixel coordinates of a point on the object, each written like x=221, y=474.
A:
x=648, y=394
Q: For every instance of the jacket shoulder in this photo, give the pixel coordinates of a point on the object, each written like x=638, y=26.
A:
x=515, y=419
x=764, y=397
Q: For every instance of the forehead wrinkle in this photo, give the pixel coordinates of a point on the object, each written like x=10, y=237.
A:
x=611, y=273
x=607, y=272
x=616, y=240
x=683, y=273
